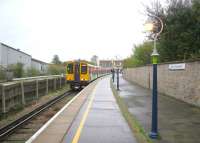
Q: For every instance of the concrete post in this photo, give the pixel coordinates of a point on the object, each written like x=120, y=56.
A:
x=54, y=83
x=65, y=81
x=60, y=82
x=3, y=100
x=47, y=86
x=22, y=92
x=37, y=95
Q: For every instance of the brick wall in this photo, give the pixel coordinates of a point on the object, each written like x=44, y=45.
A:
x=181, y=84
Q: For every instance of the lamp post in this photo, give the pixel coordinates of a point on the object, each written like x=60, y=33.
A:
x=154, y=125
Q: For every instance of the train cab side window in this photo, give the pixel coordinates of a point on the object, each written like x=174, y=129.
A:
x=83, y=69
x=70, y=68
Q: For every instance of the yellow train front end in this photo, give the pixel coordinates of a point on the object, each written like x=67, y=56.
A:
x=77, y=74
x=84, y=74
x=70, y=72
x=80, y=73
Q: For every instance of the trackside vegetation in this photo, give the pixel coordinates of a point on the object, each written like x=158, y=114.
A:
x=141, y=55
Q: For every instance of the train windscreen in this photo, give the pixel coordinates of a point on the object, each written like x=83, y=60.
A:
x=70, y=68
x=83, y=68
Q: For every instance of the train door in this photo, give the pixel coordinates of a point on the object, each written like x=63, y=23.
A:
x=77, y=72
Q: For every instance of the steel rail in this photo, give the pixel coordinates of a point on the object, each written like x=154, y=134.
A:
x=10, y=128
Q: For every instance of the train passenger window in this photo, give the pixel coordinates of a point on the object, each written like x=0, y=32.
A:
x=83, y=68
x=70, y=68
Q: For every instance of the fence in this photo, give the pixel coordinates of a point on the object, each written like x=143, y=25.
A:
x=22, y=91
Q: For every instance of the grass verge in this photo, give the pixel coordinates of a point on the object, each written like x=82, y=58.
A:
x=136, y=128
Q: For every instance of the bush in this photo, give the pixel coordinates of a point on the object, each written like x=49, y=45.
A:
x=56, y=69
x=2, y=75
x=32, y=72
x=17, y=70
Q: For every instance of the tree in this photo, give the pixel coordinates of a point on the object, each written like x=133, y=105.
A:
x=180, y=39
x=56, y=60
x=141, y=55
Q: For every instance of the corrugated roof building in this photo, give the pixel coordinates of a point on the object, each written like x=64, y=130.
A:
x=9, y=56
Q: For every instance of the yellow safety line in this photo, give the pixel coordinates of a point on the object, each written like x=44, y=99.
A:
x=78, y=132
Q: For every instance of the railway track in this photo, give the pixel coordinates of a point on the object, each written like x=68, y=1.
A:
x=23, y=128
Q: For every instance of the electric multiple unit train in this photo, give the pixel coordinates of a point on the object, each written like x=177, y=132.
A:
x=80, y=73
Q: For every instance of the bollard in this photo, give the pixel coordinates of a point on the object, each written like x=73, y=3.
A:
x=117, y=79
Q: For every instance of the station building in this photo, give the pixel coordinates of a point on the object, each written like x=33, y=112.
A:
x=95, y=60
x=111, y=63
x=39, y=65
x=10, y=55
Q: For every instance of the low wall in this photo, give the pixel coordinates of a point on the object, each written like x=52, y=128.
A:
x=181, y=84
x=21, y=92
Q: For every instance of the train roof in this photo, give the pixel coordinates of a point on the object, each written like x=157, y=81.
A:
x=88, y=63
x=76, y=61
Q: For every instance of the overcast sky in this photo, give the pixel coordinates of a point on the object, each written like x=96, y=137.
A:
x=72, y=29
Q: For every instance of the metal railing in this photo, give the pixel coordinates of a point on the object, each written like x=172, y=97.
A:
x=37, y=77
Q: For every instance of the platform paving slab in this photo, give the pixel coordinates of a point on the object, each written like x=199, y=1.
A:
x=178, y=122
x=104, y=123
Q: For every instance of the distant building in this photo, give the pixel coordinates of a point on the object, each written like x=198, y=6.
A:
x=105, y=63
x=95, y=60
x=9, y=56
x=41, y=66
x=111, y=63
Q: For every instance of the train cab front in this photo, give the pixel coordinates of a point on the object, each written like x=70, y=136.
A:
x=77, y=75
x=70, y=74
x=84, y=74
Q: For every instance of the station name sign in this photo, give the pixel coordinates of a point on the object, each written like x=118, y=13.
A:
x=180, y=66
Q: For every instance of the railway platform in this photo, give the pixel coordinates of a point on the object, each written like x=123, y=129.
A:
x=178, y=122
x=93, y=116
